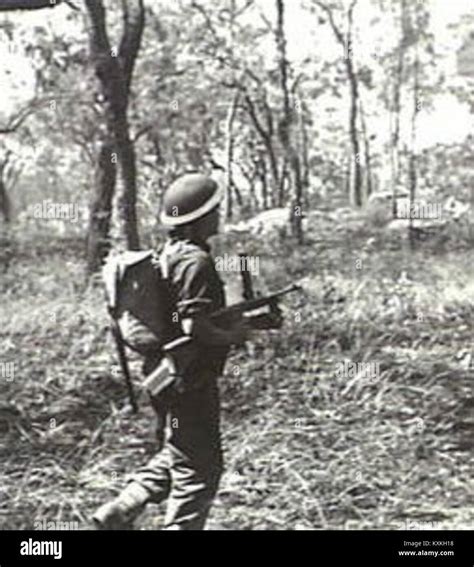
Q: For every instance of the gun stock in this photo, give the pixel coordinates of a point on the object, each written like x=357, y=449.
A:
x=122, y=356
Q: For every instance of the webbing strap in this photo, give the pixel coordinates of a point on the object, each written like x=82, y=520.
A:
x=164, y=263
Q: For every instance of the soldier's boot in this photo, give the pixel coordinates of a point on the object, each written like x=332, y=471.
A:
x=122, y=511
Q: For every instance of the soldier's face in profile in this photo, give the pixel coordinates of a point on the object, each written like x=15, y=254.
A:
x=215, y=220
x=211, y=223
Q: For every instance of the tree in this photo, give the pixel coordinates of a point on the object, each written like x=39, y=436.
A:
x=346, y=41
x=16, y=121
x=5, y=202
x=10, y=169
x=230, y=144
x=416, y=28
x=239, y=72
x=287, y=124
x=114, y=70
x=10, y=172
x=396, y=109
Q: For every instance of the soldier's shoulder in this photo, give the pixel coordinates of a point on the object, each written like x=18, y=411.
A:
x=187, y=253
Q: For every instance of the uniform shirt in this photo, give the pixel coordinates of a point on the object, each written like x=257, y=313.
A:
x=196, y=290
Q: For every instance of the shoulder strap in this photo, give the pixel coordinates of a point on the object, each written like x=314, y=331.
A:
x=164, y=262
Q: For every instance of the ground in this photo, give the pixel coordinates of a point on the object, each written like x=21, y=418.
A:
x=311, y=441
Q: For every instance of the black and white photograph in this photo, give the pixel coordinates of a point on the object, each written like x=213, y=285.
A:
x=237, y=270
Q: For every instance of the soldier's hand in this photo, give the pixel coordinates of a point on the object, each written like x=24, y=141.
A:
x=240, y=332
x=267, y=321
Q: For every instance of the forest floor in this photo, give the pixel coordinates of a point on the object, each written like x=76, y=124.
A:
x=307, y=445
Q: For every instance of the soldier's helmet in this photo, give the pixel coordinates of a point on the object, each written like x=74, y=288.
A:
x=189, y=198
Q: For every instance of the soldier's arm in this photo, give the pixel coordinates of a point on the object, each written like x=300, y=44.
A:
x=195, y=306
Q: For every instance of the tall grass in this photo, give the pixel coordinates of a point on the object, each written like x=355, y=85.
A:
x=306, y=447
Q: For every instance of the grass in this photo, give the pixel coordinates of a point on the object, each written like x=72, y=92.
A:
x=305, y=447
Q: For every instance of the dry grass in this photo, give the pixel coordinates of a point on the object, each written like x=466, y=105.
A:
x=305, y=447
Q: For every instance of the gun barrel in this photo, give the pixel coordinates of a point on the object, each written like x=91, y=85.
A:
x=290, y=289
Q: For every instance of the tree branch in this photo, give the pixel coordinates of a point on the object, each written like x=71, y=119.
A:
x=72, y=5
x=99, y=39
x=16, y=121
x=133, y=26
x=327, y=10
x=210, y=26
x=255, y=119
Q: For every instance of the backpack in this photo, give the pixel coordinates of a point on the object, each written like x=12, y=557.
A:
x=139, y=299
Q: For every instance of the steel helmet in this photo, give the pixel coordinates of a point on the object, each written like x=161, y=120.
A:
x=189, y=198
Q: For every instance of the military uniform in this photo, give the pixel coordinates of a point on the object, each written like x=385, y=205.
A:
x=187, y=469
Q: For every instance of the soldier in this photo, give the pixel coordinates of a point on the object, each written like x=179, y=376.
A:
x=186, y=471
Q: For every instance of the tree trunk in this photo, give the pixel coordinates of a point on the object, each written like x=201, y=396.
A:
x=413, y=153
x=228, y=213
x=6, y=238
x=345, y=41
x=283, y=177
x=304, y=148
x=286, y=130
x=5, y=203
x=262, y=172
x=395, y=150
x=114, y=72
x=128, y=198
x=266, y=137
x=367, y=153
x=353, y=132
x=98, y=243
x=298, y=199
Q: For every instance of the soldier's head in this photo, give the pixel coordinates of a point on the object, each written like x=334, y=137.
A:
x=191, y=206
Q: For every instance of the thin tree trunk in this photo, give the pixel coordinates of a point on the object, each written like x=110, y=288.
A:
x=5, y=202
x=305, y=148
x=286, y=130
x=266, y=137
x=252, y=193
x=395, y=150
x=345, y=42
x=285, y=123
x=367, y=153
x=354, y=135
x=263, y=179
x=6, y=237
x=228, y=214
x=413, y=153
x=238, y=196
